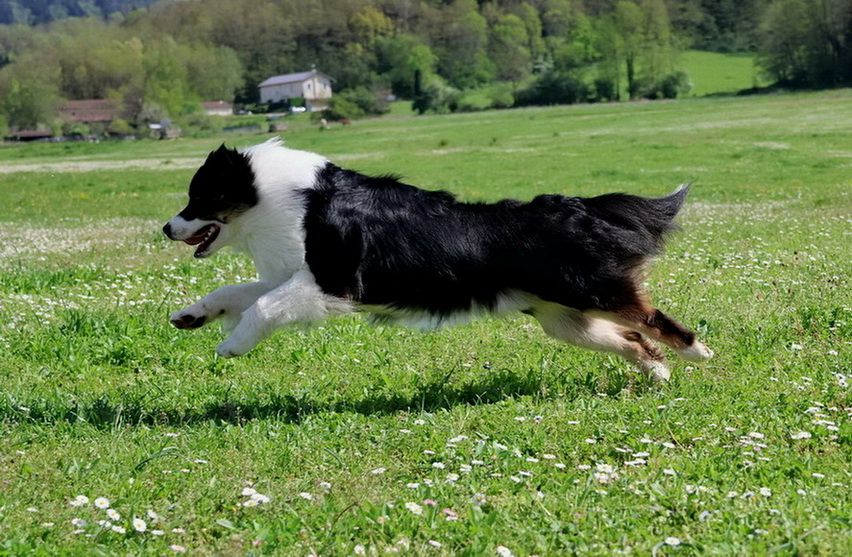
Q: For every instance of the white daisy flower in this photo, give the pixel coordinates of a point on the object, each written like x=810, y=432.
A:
x=504, y=551
x=306, y=496
x=157, y=533
x=78, y=522
x=118, y=529
x=113, y=514
x=765, y=491
x=672, y=541
x=79, y=501
x=438, y=465
x=102, y=503
x=139, y=525
x=248, y=491
x=414, y=508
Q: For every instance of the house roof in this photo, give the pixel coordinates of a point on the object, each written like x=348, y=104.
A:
x=214, y=105
x=291, y=78
x=89, y=110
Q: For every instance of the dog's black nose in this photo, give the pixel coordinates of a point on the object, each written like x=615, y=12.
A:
x=167, y=230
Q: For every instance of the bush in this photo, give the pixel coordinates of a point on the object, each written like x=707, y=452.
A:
x=119, y=127
x=501, y=96
x=496, y=95
x=340, y=108
x=438, y=97
x=553, y=87
x=473, y=100
x=199, y=123
x=368, y=101
x=667, y=87
x=605, y=90
x=75, y=129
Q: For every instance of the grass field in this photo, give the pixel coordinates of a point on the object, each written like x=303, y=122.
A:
x=716, y=72
x=480, y=440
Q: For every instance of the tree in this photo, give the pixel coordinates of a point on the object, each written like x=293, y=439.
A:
x=369, y=25
x=807, y=42
x=532, y=22
x=166, y=78
x=628, y=26
x=646, y=43
x=509, y=50
x=658, y=49
x=214, y=72
x=405, y=60
x=461, y=37
x=29, y=92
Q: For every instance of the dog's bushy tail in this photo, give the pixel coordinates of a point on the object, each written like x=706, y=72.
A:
x=650, y=218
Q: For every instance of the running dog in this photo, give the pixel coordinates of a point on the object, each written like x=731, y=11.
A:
x=329, y=241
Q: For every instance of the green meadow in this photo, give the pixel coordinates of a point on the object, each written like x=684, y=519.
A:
x=714, y=73
x=120, y=435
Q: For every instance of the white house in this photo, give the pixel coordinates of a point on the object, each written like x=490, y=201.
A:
x=313, y=86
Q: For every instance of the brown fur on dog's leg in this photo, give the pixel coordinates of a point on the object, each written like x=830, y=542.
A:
x=659, y=326
x=602, y=335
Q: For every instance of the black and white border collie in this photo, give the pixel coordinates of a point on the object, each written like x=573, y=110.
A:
x=329, y=241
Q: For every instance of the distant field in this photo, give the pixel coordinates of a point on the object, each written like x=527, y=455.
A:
x=716, y=72
x=383, y=440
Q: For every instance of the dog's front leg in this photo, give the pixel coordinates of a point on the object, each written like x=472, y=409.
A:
x=227, y=302
x=299, y=299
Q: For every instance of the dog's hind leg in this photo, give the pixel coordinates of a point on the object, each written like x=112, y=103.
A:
x=659, y=326
x=602, y=335
x=227, y=302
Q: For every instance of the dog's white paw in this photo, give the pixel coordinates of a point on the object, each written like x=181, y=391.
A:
x=658, y=371
x=697, y=352
x=190, y=317
x=234, y=346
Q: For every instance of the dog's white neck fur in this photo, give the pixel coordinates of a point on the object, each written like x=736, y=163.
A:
x=276, y=237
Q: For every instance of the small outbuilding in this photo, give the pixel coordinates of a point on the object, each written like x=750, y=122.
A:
x=217, y=108
x=313, y=86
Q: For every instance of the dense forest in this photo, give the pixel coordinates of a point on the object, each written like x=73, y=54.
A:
x=31, y=12
x=163, y=58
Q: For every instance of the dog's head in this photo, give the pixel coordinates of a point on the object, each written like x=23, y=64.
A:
x=219, y=193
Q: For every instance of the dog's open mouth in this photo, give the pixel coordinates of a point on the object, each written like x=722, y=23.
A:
x=203, y=238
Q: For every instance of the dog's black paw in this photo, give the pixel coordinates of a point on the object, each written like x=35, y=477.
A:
x=188, y=321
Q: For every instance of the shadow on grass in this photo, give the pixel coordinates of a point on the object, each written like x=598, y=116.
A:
x=105, y=412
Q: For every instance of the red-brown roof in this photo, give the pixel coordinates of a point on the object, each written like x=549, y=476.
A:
x=89, y=110
x=217, y=105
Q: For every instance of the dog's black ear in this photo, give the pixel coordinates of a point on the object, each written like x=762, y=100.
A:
x=223, y=155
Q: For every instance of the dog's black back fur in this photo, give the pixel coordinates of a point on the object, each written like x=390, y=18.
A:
x=378, y=241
